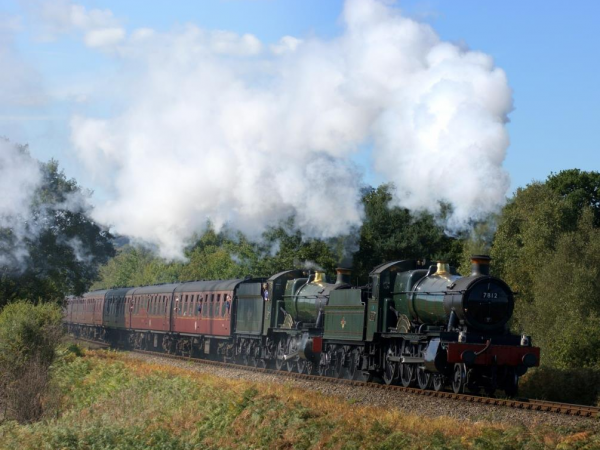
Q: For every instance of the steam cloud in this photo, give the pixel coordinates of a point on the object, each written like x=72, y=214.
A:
x=222, y=127
x=20, y=176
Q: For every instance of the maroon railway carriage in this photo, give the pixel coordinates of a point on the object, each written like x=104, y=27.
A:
x=149, y=307
x=85, y=314
x=204, y=307
x=186, y=317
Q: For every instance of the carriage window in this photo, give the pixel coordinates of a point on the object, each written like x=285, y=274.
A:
x=218, y=310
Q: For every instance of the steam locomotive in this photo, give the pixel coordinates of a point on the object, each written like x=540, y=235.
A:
x=415, y=324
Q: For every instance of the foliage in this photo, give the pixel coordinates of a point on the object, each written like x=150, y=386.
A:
x=547, y=249
x=220, y=256
x=284, y=247
x=580, y=189
x=529, y=227
x=564, y=315
x=390, y=232
x=111, y=401
x=136, y=266
x=64, y=246
x=29, y=337
x=478, y=242
x=570, y=385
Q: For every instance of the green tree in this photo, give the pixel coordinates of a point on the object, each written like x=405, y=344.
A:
x=284, y=247
x=579, y=189
x=546, y=248
x=64, y=245
x=136, y=266
x=390, y=232
x=477, y=242
x=564, y=316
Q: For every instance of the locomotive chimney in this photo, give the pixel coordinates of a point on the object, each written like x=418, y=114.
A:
x=343, y=276
x=480, y=265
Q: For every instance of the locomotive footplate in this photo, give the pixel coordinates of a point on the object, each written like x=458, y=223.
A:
x=489, y=354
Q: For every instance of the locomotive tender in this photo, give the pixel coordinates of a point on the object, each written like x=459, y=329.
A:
x=415, y=324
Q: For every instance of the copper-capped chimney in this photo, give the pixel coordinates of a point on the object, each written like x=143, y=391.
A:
x=480, y=265
x=343, y=276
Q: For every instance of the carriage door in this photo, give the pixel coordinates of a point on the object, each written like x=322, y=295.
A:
x=175, y=306
x=129, y=312
x=165, y=311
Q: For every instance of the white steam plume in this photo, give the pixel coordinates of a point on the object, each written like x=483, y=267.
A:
x=20, y=176
x=222, y=127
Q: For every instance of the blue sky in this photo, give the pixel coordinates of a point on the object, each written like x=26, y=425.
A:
x=548, y=49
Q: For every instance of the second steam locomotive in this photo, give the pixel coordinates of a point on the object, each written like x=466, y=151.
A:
x=415, y=324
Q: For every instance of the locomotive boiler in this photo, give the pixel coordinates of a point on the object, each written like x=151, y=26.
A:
x=441, y=298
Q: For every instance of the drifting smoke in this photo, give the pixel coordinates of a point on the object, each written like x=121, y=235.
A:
x=221, y=127
x=20, y=176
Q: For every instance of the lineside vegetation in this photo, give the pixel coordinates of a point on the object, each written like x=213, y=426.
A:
x=109, y=401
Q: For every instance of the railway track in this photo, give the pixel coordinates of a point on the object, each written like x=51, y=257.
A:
x=523, y=404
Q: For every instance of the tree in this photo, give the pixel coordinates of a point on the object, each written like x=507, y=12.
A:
x=136, y=266
x=221, y=255
x=529, y=227
x=546, y=249
x=390, y=233
x=284, y=247
x=579, y=189
x=564, y=317
x=64, y=245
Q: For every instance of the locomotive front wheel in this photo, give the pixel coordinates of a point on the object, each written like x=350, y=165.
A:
x=458, y=381
x=423, y=378
x=438, y=382
x=279, y=355
x=301, y=365
x=406, y=374
x=390, y=369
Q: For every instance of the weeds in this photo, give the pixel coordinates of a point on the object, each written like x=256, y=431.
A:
x=110, y=401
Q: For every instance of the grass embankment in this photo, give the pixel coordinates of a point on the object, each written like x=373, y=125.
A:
x=111, y=402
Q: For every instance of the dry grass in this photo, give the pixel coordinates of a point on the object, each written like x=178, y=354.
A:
x=111, y=401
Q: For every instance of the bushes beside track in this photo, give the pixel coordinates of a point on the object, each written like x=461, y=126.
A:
x=29, y=339
x=578, y=386
x=110, y=401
